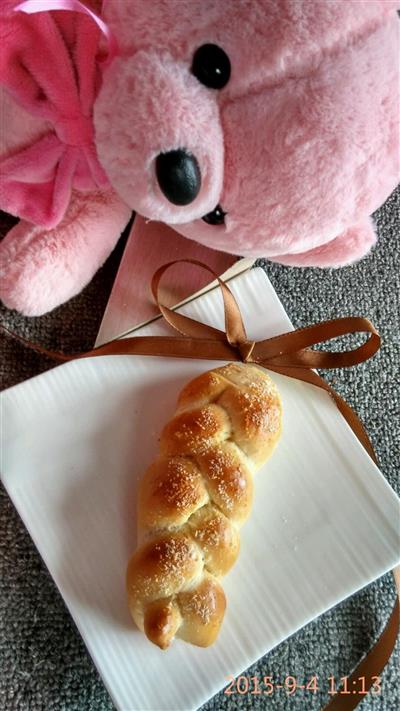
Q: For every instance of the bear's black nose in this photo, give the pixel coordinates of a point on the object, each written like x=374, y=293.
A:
x=178, y=176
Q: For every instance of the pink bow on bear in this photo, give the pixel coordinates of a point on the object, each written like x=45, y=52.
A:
x=50, y=66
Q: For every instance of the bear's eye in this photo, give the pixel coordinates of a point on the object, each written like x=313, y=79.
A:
x=211, y=66
x=216, y=217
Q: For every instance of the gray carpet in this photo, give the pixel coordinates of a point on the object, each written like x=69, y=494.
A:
x=44, y=664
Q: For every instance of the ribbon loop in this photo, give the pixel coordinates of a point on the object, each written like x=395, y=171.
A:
x=293, y=349
x=288, y=350
x=234, y=333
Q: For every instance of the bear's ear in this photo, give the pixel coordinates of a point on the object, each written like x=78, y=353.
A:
x=348, y=247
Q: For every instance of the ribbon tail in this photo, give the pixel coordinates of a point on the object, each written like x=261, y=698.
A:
x=371, y=666
x=159, y=346
x=378, y=656
x=310, y=376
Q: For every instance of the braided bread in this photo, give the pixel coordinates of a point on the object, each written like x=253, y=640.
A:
x=194, y=498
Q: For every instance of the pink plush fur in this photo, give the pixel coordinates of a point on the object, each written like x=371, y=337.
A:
x=309, y=119
x=298, y=148
x=41, y=268
x=48, y=65
x=350, y=245
x=171, y=109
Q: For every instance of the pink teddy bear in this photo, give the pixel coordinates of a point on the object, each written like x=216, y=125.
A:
x=256, y=127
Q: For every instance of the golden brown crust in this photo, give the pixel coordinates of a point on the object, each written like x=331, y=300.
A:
x=201, y=390
x=193, y=499
x=202, y=610
x=162, y=621
x=163, y=565
x=218, y=538
x=228, y=480
x=194, y=431
x=171, y=490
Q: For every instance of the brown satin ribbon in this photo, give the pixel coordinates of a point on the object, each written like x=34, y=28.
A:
x=289, y=354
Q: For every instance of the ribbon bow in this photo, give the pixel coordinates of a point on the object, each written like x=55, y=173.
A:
x=289, y=354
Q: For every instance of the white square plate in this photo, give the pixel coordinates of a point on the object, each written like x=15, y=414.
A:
x=77, y=439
